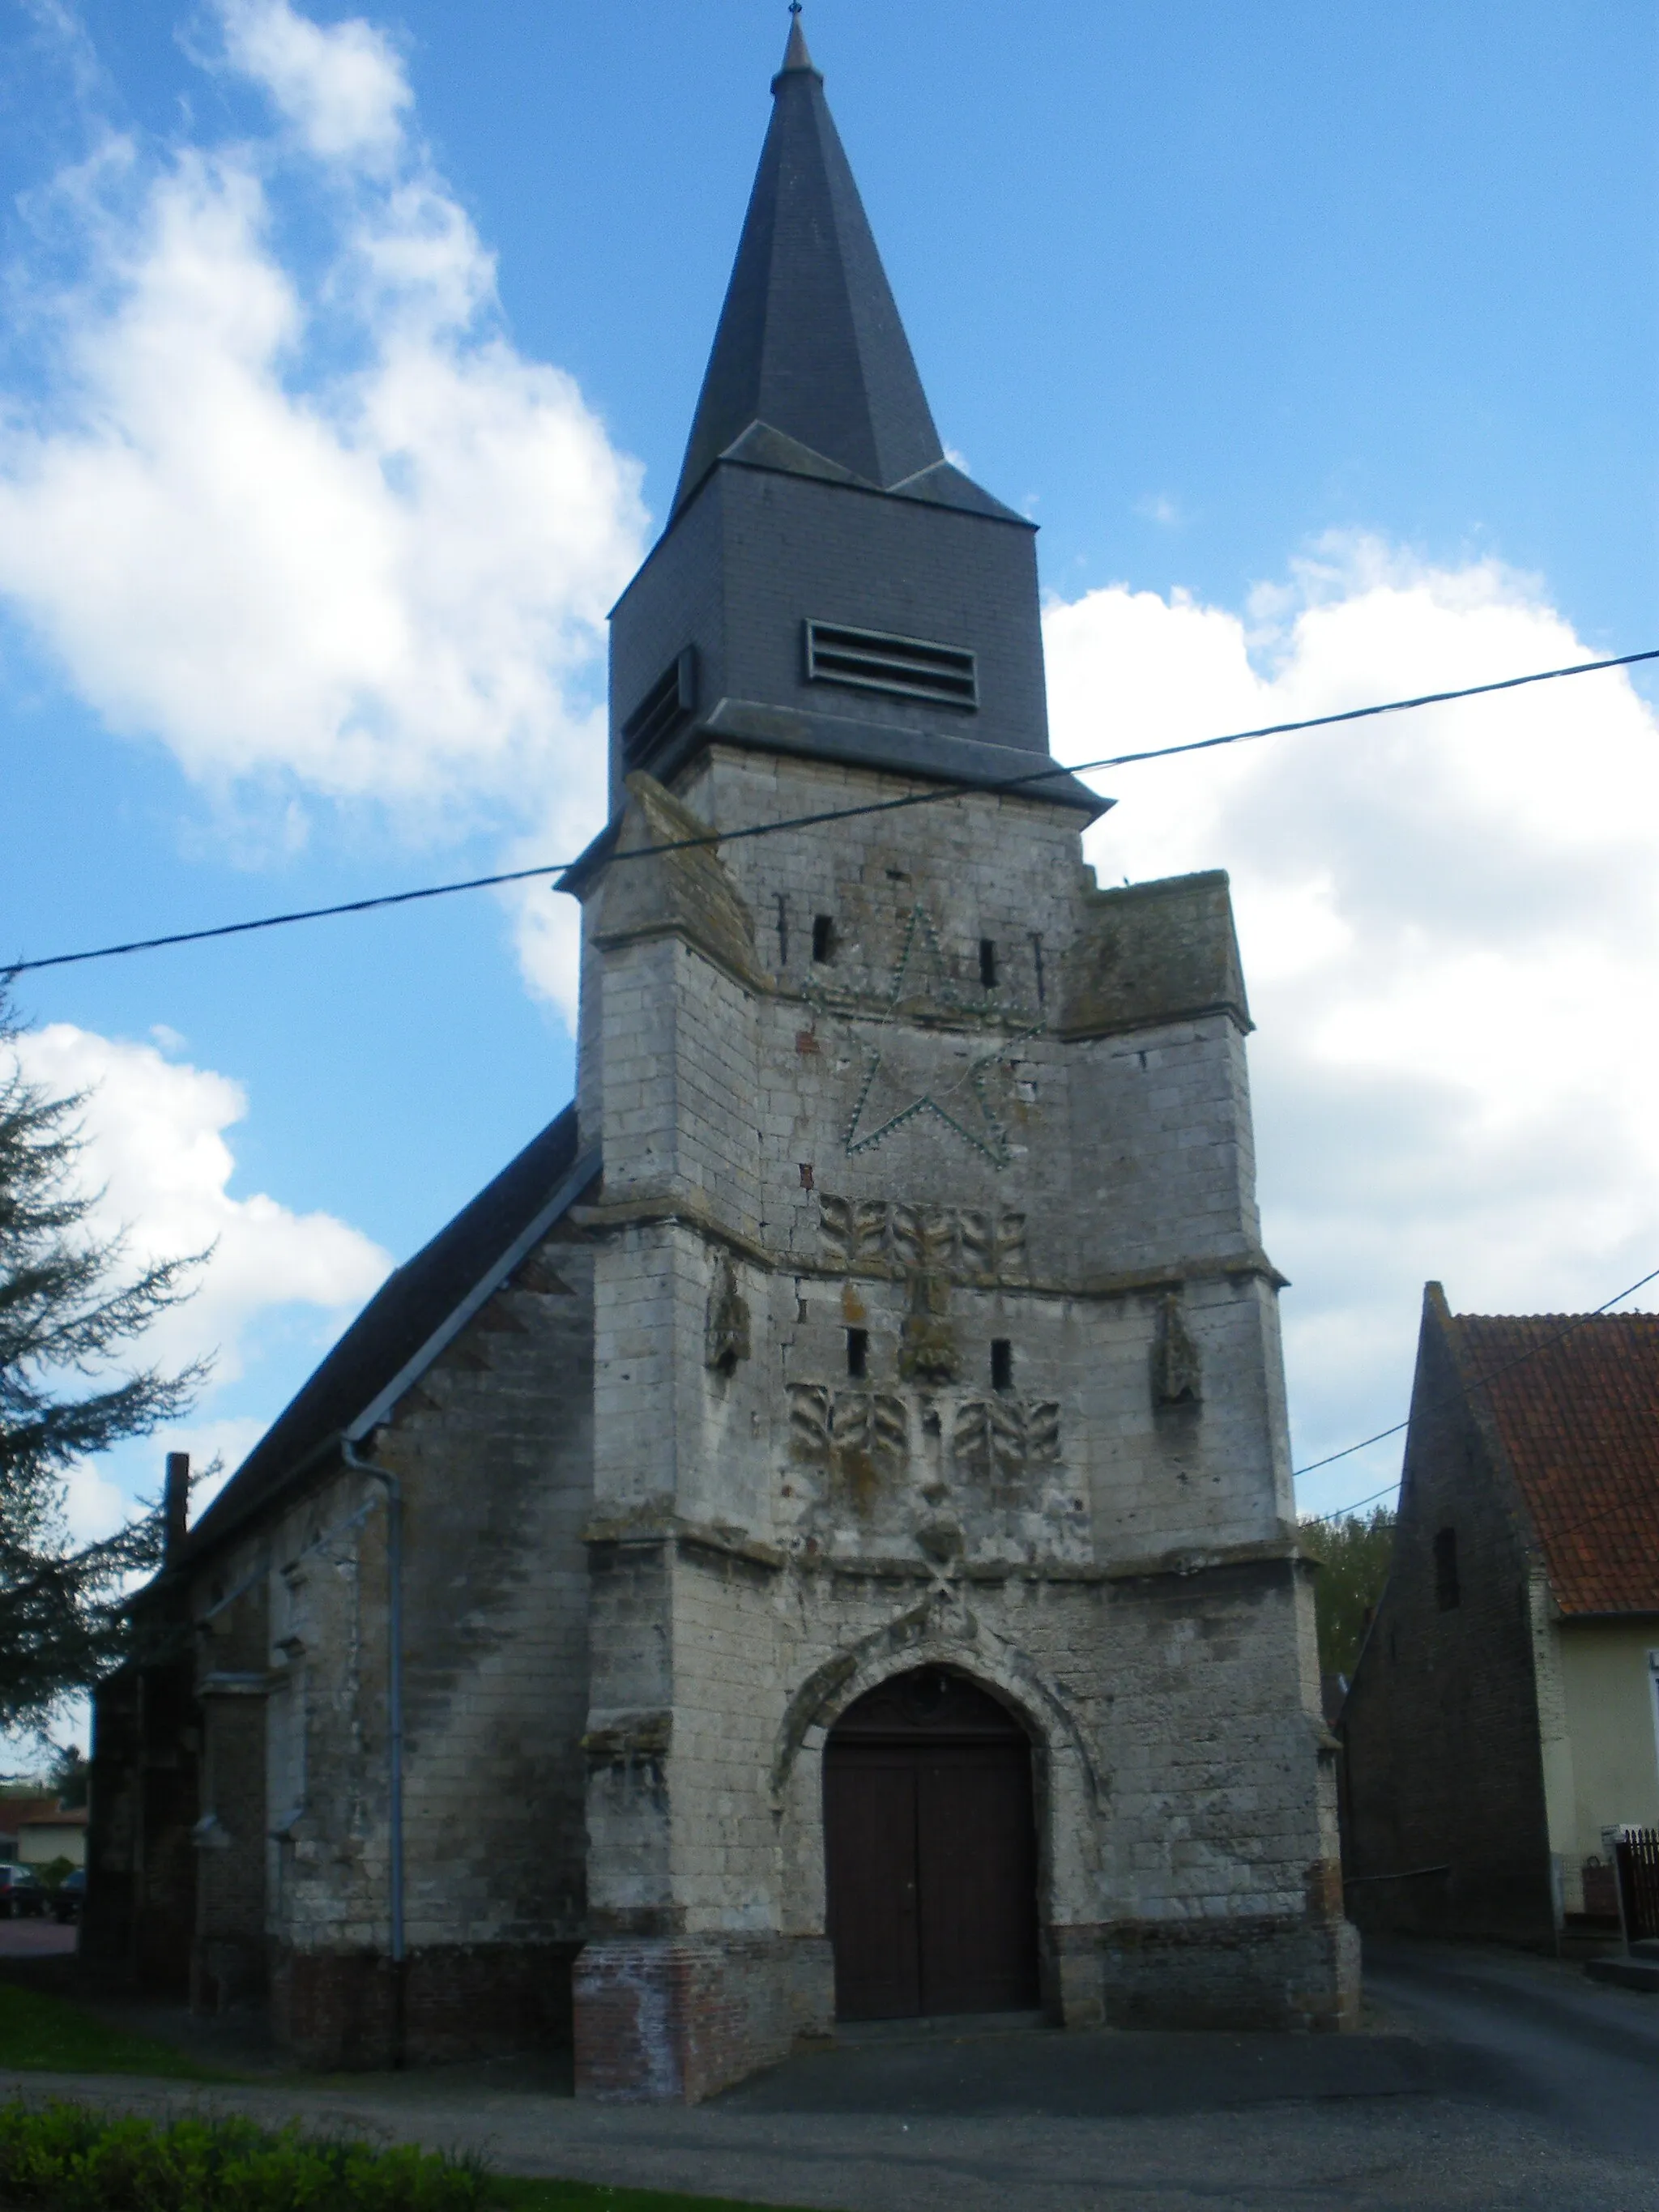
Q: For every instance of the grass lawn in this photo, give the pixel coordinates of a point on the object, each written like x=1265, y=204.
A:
x=48, y=2035
x=596, y=2196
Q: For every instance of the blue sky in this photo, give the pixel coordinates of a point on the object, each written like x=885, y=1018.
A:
x=347, y=367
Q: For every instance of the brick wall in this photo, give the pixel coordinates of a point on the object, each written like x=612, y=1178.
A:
x=353, y=2011
x=1446, y=1821
x=682, y=2020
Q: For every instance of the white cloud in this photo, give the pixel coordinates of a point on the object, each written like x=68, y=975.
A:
x=94, y=1505
x=1449, y=923
x=314, y=524
x=343, y=89
x=157, y=1153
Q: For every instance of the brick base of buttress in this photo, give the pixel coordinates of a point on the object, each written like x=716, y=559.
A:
x=676, y=2018
x=351, y=2010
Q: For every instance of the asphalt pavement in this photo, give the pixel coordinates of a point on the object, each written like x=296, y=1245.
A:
x=1539, y=2034
x=1483, y=2081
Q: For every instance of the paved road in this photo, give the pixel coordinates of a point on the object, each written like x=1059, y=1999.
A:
x=34, y=1939
x=1483, y=2080
x=1539, y=2035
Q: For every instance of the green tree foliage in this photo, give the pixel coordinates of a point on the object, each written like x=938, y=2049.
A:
x=1354, y=1554
x=70, y=1776
x=69, y=1310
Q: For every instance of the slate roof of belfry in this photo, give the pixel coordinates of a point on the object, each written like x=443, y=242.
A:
x=1579, y=1418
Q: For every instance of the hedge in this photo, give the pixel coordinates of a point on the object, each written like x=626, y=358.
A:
x=67, y=2158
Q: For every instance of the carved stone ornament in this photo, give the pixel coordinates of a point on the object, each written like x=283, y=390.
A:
x=1003, y=1437
x=927, y=1347
x=981, y=1478
x=726, y=1330
x=1176, y=1373
x=860, y=1437
x=882, y=1237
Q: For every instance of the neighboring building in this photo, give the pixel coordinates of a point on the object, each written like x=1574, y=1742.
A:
x=46, y=1837
x=1504, y=1719
x=823, y=1515
x=36, y=1831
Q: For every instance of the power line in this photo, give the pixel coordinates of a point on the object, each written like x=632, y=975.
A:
x=931, y=797
x=1451, y=1398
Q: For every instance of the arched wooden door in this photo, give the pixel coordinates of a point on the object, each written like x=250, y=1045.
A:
x=930, y=1852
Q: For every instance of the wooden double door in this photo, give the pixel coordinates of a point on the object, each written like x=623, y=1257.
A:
x=930, y=1848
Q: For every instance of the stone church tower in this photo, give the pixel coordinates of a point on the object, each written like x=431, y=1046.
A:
x=944, y=1584
x=814, y=1539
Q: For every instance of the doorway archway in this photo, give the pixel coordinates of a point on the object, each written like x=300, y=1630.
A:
x=930, y=1852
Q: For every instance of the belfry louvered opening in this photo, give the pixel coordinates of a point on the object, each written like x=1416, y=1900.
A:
x=908, y=666
x=665, y=706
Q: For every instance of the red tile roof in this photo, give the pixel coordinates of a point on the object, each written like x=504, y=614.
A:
x=20, y=1812
x=1576, y=1402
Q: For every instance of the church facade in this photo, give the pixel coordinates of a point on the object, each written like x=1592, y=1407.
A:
x=814, y=1539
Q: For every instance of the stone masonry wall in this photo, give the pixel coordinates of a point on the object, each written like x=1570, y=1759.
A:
x=927, y=1333
x=492, y=1448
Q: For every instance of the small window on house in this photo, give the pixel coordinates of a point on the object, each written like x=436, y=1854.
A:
x=823, y=938
x=987, y=962
x=857, y=1353
x=1002, y=1364
x=1447, y=1593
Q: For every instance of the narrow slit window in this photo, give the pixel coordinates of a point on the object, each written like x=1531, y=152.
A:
x=987, y=962
x=1002, y=1364
x=823, y=938
x=857, y=1353
x=1448, y=1592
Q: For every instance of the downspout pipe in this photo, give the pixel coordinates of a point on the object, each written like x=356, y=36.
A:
x=394, y=1554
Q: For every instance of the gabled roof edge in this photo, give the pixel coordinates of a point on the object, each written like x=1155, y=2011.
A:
x=1476, y=1399
x=585, y=1171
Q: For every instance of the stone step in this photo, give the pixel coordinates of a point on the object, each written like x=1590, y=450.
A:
x=1645, y=1946
x=1629, y=1973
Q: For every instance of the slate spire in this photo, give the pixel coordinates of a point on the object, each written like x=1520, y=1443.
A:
x=810, y=341
x=795, y=56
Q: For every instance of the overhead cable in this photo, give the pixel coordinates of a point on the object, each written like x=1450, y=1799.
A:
x=1435, y=1405
x=931, y=797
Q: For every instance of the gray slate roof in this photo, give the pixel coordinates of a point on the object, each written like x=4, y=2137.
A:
x=408, y=1311
x=810, y=341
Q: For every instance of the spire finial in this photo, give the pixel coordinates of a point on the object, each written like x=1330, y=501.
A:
x=795, y=54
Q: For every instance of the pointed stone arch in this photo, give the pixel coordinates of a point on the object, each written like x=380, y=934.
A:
x=1070, y=1783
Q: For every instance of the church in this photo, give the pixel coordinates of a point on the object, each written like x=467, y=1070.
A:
x=812, y=1540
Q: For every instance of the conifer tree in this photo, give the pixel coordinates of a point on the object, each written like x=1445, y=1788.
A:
x=69, y=1310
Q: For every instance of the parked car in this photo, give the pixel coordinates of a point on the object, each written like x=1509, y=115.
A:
x=20, y=1895
x=69, y=1895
